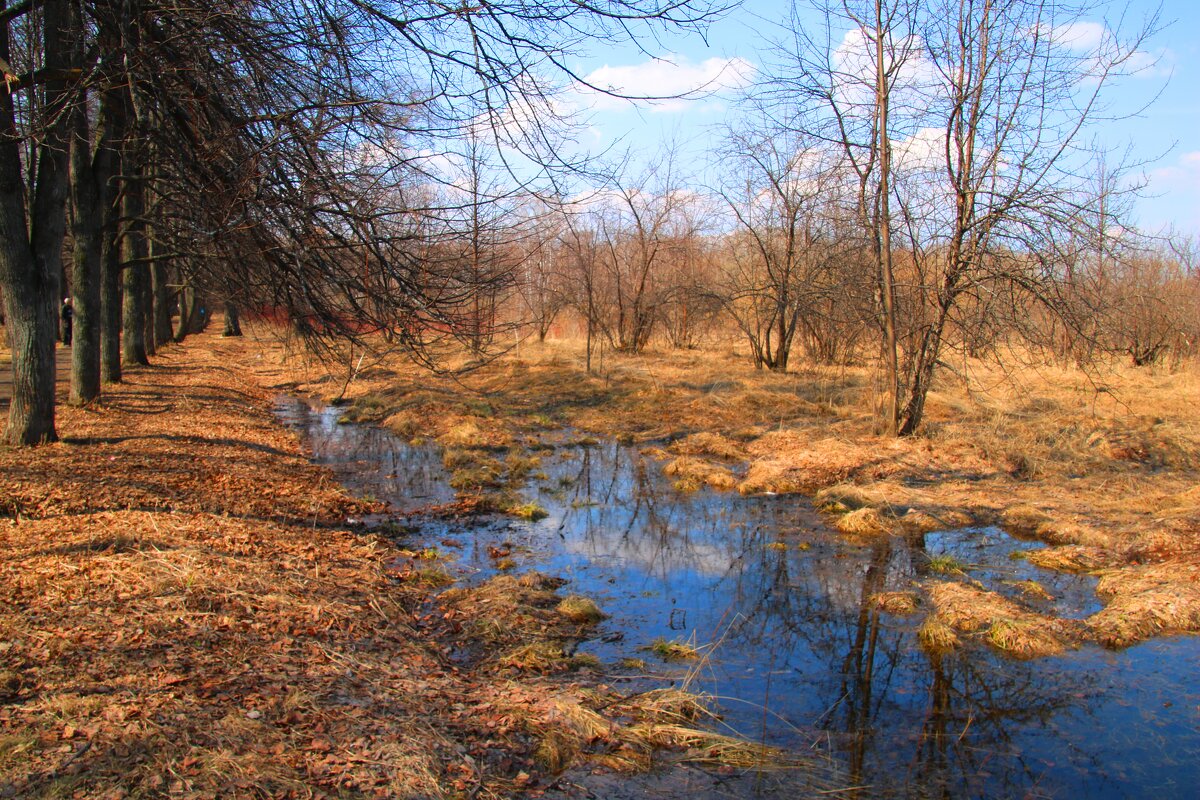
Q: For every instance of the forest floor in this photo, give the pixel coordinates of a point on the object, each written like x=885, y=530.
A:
x=1103, y=466
x=185, y=611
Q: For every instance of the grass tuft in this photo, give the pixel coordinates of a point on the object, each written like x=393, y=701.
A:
x=580, y=610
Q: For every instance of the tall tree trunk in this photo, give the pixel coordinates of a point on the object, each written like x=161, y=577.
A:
x=160, y=274
x=886, y=272
x=134, y=267
x=200, y=313
x=148, y=309
x=31, y=247
x=187, y=309
x=232, y=326
x=110, y=302
x=87, y=215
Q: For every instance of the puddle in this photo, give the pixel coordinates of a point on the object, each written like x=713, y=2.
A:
x=794, y=651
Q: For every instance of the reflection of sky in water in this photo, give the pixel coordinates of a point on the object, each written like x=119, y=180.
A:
x=800, y=658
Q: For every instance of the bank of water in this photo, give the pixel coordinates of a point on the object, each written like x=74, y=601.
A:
x=780, y=607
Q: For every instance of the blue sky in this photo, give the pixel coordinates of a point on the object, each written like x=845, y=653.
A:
x=1166, y=134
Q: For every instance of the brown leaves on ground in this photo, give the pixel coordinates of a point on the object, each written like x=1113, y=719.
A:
x=183, y=613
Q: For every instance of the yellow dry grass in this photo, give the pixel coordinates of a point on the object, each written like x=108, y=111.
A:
x=1108, y=461
x=580, y=610
x=966, y=609
x=1146, y=601
x=691, y=474
x=898, y=603
x=863, y=522
x=1072, y=558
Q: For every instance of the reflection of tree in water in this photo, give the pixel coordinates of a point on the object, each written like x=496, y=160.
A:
x=899, y=716
x=619, y=507
x=370, y=459
x=919, y=724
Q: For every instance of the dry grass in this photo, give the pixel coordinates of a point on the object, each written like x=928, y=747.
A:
x=691, y=474
x=707, y=443
x=1072, y=558
x=1146, y=601
x=967, y=609
x=936, y=636
x=580, y=610
x=897, y=603
x=1106, y=463
x=673, y=650
x=864, y=522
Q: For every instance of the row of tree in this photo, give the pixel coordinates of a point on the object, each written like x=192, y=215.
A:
x=635, y=264
x=271, y=151
x=905, y=177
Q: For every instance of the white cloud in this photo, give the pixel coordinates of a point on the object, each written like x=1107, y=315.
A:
x=854, y=63
x=1080, y=36
x=924, y=151
x=666, y=84
x=1096, y=42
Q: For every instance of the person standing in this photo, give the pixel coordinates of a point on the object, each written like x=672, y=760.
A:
x=68, y=314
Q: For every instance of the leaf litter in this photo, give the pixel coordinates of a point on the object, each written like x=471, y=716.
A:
x=185, y=612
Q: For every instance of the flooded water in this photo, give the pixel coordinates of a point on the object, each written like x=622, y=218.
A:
x=792, y=647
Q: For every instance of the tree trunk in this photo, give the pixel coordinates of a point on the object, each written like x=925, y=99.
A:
x=133, y=314
x=113, y=116
x=136, y=273
x=187, y=308
x=160, y=274
x=148, y=309
x=31, y=248
x=110, y=304
x=886, y=273
x=232, y=326
x=87, y=212
x=201, y=313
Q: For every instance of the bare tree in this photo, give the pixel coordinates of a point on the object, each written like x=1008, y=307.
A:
x=786, y=193
x=253, y=113
x=631, y=225
x=31, y=234
x=965, y=125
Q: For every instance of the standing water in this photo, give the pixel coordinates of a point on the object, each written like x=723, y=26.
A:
x=781, y=609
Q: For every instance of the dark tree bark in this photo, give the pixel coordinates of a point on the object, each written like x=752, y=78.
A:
x=112, y=102
x=31, y=246
x=160, y=275
x=87, y=227
x=134, y=268
x=232, y=326
x=187, y=308
x=93, y=163
x=110, y=303
x=148, y=332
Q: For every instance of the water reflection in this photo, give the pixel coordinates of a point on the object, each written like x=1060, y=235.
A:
x=801, y=656
x=372, y=460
